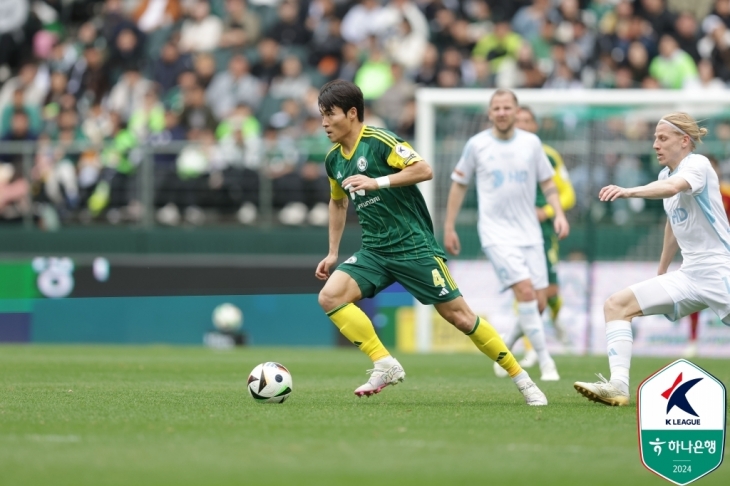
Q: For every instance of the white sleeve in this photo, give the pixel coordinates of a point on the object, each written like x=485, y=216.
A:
x=544, y=169
x=695, y=173
x=466, y=166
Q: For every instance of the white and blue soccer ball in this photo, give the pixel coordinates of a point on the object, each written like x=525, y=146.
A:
x=270, y=383
x=227, y=318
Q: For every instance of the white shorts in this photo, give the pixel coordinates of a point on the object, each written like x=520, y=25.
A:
x=517, y=263
x=680, y=293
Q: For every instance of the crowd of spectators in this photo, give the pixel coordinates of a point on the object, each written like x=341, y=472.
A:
x=224, y=92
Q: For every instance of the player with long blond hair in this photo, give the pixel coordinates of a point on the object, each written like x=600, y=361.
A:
x=696, y=224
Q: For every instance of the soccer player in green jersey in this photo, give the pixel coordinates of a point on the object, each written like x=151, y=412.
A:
x=378, y=171
x=545, y=213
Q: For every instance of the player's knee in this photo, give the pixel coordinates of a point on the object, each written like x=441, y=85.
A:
x=524, y=291
x=328, y=300
x=614, y=307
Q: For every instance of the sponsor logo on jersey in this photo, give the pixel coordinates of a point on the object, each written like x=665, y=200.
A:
x=679, y=215
x=352, y=259
x=339, y=174
x=497, y=178
x=362, y=164
x=443, y=292
x=368, y=202
x=518, y=176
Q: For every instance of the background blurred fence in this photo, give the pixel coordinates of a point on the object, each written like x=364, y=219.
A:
x=150, y=198
x=209, y=183
x=276, y=192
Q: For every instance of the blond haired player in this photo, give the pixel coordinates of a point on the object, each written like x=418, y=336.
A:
x=697, y=225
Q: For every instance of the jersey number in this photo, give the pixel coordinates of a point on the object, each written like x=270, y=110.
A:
x=438, y=280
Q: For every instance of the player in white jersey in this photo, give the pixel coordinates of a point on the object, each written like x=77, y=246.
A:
x=507, y=164
x=696, y=224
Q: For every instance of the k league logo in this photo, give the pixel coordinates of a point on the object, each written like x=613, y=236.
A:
x=677, y=397
x=681, y=413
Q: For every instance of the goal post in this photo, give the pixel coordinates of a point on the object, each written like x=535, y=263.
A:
x=601, y=134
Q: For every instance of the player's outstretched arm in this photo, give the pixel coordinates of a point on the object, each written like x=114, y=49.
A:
x=656, y=190
x=453, y=205
x=338, y=216
x=669, y=249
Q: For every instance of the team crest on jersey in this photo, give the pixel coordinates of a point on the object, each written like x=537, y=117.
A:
x=362, y=164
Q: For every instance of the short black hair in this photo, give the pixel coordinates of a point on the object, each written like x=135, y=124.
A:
x=343, y=94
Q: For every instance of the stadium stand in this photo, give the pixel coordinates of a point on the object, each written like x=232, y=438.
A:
x=218, y=97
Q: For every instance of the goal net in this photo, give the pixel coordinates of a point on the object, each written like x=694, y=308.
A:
x=604, y=137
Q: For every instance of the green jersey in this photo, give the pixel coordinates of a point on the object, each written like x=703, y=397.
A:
x=395, y=221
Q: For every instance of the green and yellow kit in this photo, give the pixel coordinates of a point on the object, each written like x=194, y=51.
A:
x=398, y=243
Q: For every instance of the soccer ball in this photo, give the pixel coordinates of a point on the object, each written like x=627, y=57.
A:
x=227, y=318
x=270, y=383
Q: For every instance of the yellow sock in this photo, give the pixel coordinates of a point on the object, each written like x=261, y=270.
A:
x=555, y=303
x=356, y=326
x=528, y=344
x=490, y=343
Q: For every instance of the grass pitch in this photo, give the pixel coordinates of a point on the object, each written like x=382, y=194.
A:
x=99, y=416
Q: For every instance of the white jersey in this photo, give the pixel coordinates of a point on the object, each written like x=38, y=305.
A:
x=507, y=174
x=697, y=215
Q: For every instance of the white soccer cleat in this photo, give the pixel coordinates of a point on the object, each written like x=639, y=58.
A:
x=380, y=378
x=529, y=359
x=533, y=396
x=602, y=392
x=499, y=371
x=549, y=372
